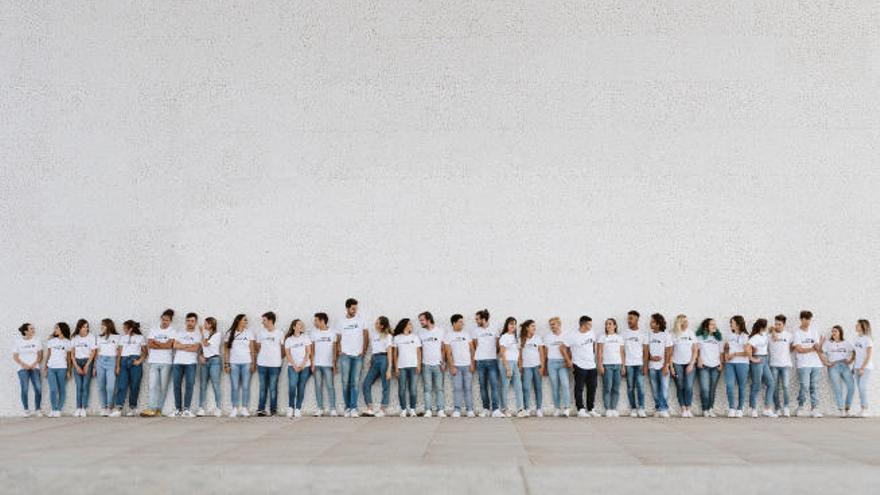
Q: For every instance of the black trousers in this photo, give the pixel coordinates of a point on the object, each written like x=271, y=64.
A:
x=591, y=379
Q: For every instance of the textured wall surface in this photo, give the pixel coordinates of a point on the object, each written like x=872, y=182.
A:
x=532, y=157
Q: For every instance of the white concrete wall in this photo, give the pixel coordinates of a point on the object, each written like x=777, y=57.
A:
x=532, y=157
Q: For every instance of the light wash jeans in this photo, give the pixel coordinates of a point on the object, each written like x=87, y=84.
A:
x=268, y=395
x=210, y=370
x=296, y=386
x=406, y=388
x=32, y=377
x=82, y=383
x=611, y=386
x=129, y=382
x=432, y=377
x=862, y=384
x=240, y=379
x=487, y=372
x=183, y=377
x=841, y=375
x=780, y=379
x=808, y=379
x=106, y=368
x=515, y=381
x=160, y=375
x=377, y=370
x=736, y=377
x=531, y=378
x=684, y=384
x=659, y=389
x=760, y=372
x=350, y=369
x=708, y=386
x=324, y=379
x=462, y=388
x=57, y=378
x=559, y=386
x=635, y=386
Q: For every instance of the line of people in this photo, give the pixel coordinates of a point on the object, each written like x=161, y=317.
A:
x=512, y=358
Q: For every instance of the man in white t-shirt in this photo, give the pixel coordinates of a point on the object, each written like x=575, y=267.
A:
x=433, y=365
x=486, y=341
x=808, y=348
x=160, y=342
x=581, y=345
x=780, y=364
x=353, y=342
x=325, y=348
x=459, y=348
x=268, y=345
x=634, y=341
x=187, y=344
x=659, y=355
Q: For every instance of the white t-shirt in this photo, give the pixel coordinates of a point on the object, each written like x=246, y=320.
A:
x=611, y=345
x=58, y=355
x=582, y=346
x=531, y=352
x=27, y=350
x=553, y=343
x=807, y=338
x=460, y=345
x=633, y=340
x=861, y=345
x=760, y=343
x=132, y=344
x=407, y=350
x=683, y=347
x=162, y=336
x=511, y=346
x=298, y=346
x=737, y=343
x=270, y=348
x=780, y=350
x=487, y=343
x=108, y=345
x=658, y=342
x=352, y=334
x=213, y=347
x=710, y=351
x=83, y=346
x=240, y=352
x=379, y=342
x=837, y=351
x=185, y=337
x=432, y=345
x=325, y=341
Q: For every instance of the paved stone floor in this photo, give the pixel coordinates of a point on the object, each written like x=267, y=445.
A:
x=394, y=455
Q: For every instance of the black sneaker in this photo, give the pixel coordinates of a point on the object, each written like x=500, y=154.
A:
x=261, y=414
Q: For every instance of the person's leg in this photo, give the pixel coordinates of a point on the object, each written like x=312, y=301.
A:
x=154, y=385
x=834, y=377
x=580, y=376
x=203, y=385
x=177, y=385
x=483, y=378
x=755, y=371
x=803, y=386
x=770, y=391
x=413, y=384
x=36, y=382
x=815, y=373
x=263, y=381
x=495, y=387
x=640, y=387
x=190, y=376
x=615, y=387
x=246, y=386
x=553, y=366
x=785, y=383
x=386, y=384
x=850, y=386
x=52, y=381
x=504, y=384
x=235, y=380
x=703, y=378
x=78, y=388
x=516, y=380
x=23, y=383
x=730, y=383
x=345, y=365
x=689, y=377
x=527, y=385
x=274, y=371
x=742, y=380
x=164, y=378
x=592, y=384
x=630, y=388
x=606, y=389
x=320, y=380
x=304, y=376
x=468, y=378
x=215, y=372
x=458, y=389
x=401, y=389
x=122, y=380
x=356, y=367
x=369, y=379
x=292, y=379
x=679, y=383
x=428, y=386
x=862, y=382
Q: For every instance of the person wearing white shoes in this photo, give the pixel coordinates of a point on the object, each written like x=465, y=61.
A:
x=211, y=365
x=133, y=353
x=486, y=356
x=685, y=351
x=298, y=351
x=610, y=356
x=354, y=340
x=407, y=351
x=710, y=364
x=736, y=370
x=433, y=365
x=780, y=347
x=187, y=344
x=758, y=349
x=57, y=369
x=658, y=352
x=269, y=344
x=160, y=345
x=559, y=360
x=459, y=348
x=107, y=366
x=533, y=356
x=240, y=352
x=27, y=352
x=863, y=365
x=85, y=346
x=325, y=351
x=807, y=346
x=509, y=367
x=381, y=337
x=636, y=367
x=838, y=355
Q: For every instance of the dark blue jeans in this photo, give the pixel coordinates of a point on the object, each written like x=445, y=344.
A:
x=350, y=371
x=487, y=371
x=57, y=378
x=129, y=381
x=268, y=386
x=684, y=384
x=708, y=386
x=183, y=399
x=32, y=376
x=406, y=388
x=296, y=386
x=378, y=367
x=82, y=383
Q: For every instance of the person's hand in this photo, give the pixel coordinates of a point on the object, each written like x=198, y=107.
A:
x=645, y=370
x=253, y=368
x=601, y=369
x=94, y=371
x=313, y=369
x=396, y=373
x=656, y=358
x=623, y=371
x=117, y=370
x=388, y=375
x=68, y=374
x=418, y=369
x=473, y=368
x=452, y=370
x=543, y=371
x=665, y=370
x=690, y=369
x=509, y=372
x=227, y=368
x=202, y=360
x=672, y=372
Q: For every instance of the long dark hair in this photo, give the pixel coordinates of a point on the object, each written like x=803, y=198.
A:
x=703, y=330
x=110, y=326
x=660, y=320
x=760, y=324
x=79, y=324
x=292, y=328
x=232, y=330
x=740, y=324
x=132, y=325
x=213, y=323
x=65, y=329
x=524, y=331
x=507, y=323
x=401, y=326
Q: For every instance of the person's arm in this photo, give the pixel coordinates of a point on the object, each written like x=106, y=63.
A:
x=566, y=355
x=728, y=356
x=473, y=356
x=312, y=352
x=646, y=356
x=226, y=366
x=502, y=355
x=68, y=356
x=667, y=360
x=285, y=351
x=118, y=358
x=366, y=342
x=447, y=349
x=142, y=357
x=394, y=358
x=418, y=360
x=253, y=348
x=868, y=352
x=307, y=358
x=543, y=360
x=337, y=349
x=17, y=359
x=46, y=364
x=695, y=352
x=699, y=356
x=600, y=353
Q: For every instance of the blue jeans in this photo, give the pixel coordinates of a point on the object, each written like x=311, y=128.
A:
x=462, y=391
x=324, y=378
x=106, y=368
x=559, y=386
x=432, y=377
x=129, y=382
x=862, y=385
x=378, y=367
x=160, y=373
x=808, y=379
x=211, y=369
x=515, y=381
x=761, y=373
x=406, y=382
x=684, y=384
x=708, y=386
x=179, y=374
x=659, y=388
x=296, y=386
x=635, y=386
x=350, y=368
x=82, y=383
x=32, y=377
x=531, y=377
x=611, y=386
x=57, y=378
x=487, y=372
x=840, y=375
x=780, y=378
x=240, y=379
x=736, y=375
x=268, y=376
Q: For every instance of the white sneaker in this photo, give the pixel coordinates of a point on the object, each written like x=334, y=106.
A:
x=441, y=413
x=218, y=412
x=26, y=414
x=841, y=413
x=297, y=413
x=770, y=414
x=244, y=413
x=865, y=413
x=731, y=413
x=816, y=414
x=801, y=412
x=115, y=413
x=131, y=413
x=582, y=413
x=556, y=413
x=539, y=413
x=739, y=413
x=643, y=413
x=594, y=414
x=427, y=414
x=233, y=413
x=289, y=412
x=403, y=413
x=521, y=414
x=83, y=413
x=201, y=412
x=609, y=413
x=566, y=412
x=380, y=413
x=470, y=414
x=508, y=413
x=104, y=412
x=754, y=413
x=664, y=414
x=412, y=413
x=188, y=414
x=456, y=414
x=318, y=413
x=346, y=414
x=484, y=413
x=786, y=412
x=633, y=413
x=497, y=414
x=354, y=414
x=333, y=413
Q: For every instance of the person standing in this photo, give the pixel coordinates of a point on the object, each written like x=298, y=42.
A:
x=685, y=351
x=380, y=366
x=85, y=345
x=133, y=353
x=509, y=365
x=863, y=365
x=160, y=342
x=758, y=348
x=107, y=367
x=486, y=355
x=459, y=349
x=780, y=347
x=27, y=352
x=298, y=350
x=659, y=354
x=559, y=360
x=710, y=364
x=325, y=349
x=433, y=365
x=407, y=365
x=838, y=355
x=636, y=369
x=187, y=344
x=808, y=349
x=353, y=341
x=609, y=358
x=736, y=368
x=57, y=370
x=269, y=345
x=240, y=357
x=211, y=366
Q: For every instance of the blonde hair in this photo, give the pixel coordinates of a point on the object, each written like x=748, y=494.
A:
x=678, y=326
x=866, y=327
x=555, y=319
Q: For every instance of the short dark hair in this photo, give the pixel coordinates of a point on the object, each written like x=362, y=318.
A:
x=350, y=302
x=483, y=314
x=781, y=318
x=23, y=328
x=169, y=313
x=192, y=315
x=454, y=319
x=661, y=321
x=269, y=315
x=635, y=313
x=806, y=315
x=322, y=317
x=428, y=316
x=584, y=319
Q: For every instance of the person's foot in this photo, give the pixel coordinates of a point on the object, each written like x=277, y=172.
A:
x=643, y=413
x=353, y=414
x=786, y=412
x=380, y=413
x=594, y=413
x=456, y=414
x=556, y=413
x=412, y=413
x=130, y=413
x=289, y=412
x=333, y=413
x=664, y=414
x=115, y=413
x=403, y=413
x=539, y=413
x=25, y=414
x=261, y=413
x=497, y=414
x=754, y=413
x=865, y=413
x=470, y=414
x=609, y=413
x=188, y=414
x=318, y=413
x=633, y=413
x=427, y=413
x=297, y=413
x=484, y=413
x=218, y=412
x=441, y=413
x=369, y=412
x=233, y=413
x=801, y=412
x=104, y=412
x=582, y=413
x=346, y=414
x=816, y=414
x=520, y=414
x=201, y=412
x=174, y=414
x=770, y=414
x=244, y=413
x=739, y=413
x=146, y=413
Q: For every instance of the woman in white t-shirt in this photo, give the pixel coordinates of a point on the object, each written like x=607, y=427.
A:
x=133, y=353
x=27, y=352
x=240, y=357
x=298, y=351
x=209, y=357
x=838, y=355
x=380, y=366
x=533, y=355
x=780, y=364
x=610, y=357
x=736, y=372
x=107, y=366
x=685, y=351
x=710, y=364
x=758, y=348
x=407, y=365
x=864, y=362
x=509, y=368
x=85, y=345
x=57, y=370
